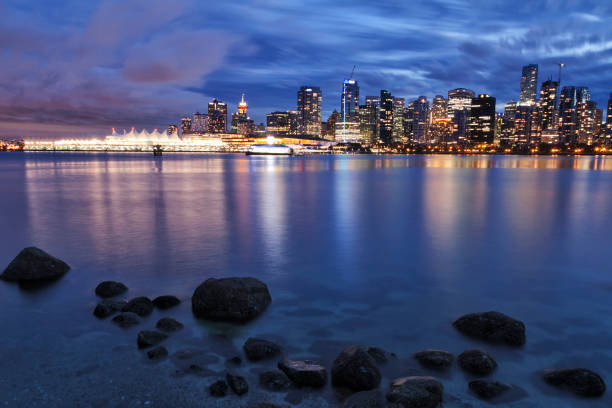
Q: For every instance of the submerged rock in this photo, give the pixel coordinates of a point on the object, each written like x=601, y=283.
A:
x=237, y=383
x=274, y=381
x=494, y=327
x=109, y=289
x=34, y=264
x=356, y=369
x=218, y=389
x=142, y=306
x=108, y=307
x=365, y=399
x=436, y=359
x=230, y=299
x=487, y=390
x=379, y=355
x=304, y=372
x=126, y=319
x=169, y=324
x=166, y=302
x=157, y=353
x=416, y=392
x=580, y=381
x=148, y=338
x=260, y=349
x=477, y=362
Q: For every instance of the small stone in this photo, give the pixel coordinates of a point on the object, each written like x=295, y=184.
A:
x=108, y=307
x=580, y=381
x=109, y=289
x=260, y=349
x=487, y=390
x=157, y=353
x=477, y=362
x=365, y=399
x=356, y=369
x=436, y=359
x=169, y=324
x=142, y=306
x=148, y=338
x=33, y=264
x=237, y=383
x=416, y=392
x=274, y=381
x=127, y=319
x=494, y=327
x=304, y=372
x=218, y=389
x=166, y=302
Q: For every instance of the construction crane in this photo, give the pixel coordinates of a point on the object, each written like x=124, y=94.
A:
x=353, y=71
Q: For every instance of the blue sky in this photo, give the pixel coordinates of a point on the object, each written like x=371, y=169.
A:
x=78, y=68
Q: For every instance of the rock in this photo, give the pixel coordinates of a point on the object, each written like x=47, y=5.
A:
x=230, y=299
x=108, y=307
x=494, y=327
x=109, y=289
x=260, y=349
x=169, y=324
x=365, y=399
x=237, y=383
x=487, y=390
x=148, y=338
x=266, y=404
x=218, y=389
x=356, y=369
x=157, y=353
x=416, y=392
x=379, y=355
x=274, y=381
x=436, y=359
x=234, y=360
x=166, y=302
x=580, y=381
x=304, y=372
x=477, y=362
x=34, y=264
x=142, y=306
x=127, y=319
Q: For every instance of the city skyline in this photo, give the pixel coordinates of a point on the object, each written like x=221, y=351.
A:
x=71, y=69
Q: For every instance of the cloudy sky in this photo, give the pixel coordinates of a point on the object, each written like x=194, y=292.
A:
x=78, y=68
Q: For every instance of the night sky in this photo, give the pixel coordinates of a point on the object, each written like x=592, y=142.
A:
x=78, y=68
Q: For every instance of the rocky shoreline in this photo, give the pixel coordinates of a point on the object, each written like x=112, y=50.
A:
x=356, y=373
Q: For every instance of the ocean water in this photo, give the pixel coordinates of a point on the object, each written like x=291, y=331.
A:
x=372, y=250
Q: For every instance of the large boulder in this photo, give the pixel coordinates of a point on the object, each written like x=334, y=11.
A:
x=142, y=306
x=436, y=359
x=477, y=362
x=487, y=390
x=416, y=392
x=237, y=383
x=580, y=381
x=166, y=301
x=149, y=338
x=109, y=289
x=304, y=373
x=260, y=349
x=33, y=264
x=494, y=327
x=218, y=388
x=108, y=307
x=230, y=299
x=356, y=369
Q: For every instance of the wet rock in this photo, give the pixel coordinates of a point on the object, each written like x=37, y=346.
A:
x=230, y=299
x=379, y=355
x=580, y=381
x=157, y=353
x=260, y=349
x=109, y=289
x=33, y=264
x=487, y=390
x=127, y=319
x=436, y=359
x=304, y=372
x=365, y=399
x=416, y=392
x=142, y=306
x=166, y=302
x=169, y=324
x=356, y=369
x=274, y=381
x=494, y=327
x=477, y=362
x=234, y=360
x=149, y=338
x=237, y=383
x=108, y=307
x=218, y=389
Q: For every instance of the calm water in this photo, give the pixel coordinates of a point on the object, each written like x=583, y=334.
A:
x=386, y=251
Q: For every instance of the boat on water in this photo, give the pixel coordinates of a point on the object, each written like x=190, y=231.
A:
x=269, y=149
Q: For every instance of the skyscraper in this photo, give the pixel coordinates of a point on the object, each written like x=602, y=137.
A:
x=548, y=104
x=440, y=126
x=309, y=111
x=586, y=113
x=349, y=101
x=241, y=123
x=529, y=83
x=330, y=132
x=277, y=124
x=199, y=123
x=609, y=119
x=458, y=99
x=368, y=123
x=217, y=117
x=386, y=116
x=409, y=121
x=172, y=130
x=570, y=97
x=398, y=120
x=372, y=101
x=420, y=119
x=185, y=125
x=481, y=121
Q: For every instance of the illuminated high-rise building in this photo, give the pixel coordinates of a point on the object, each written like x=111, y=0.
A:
x=609, y=120
x=199, y=123
x=242, y=106
x=548, y=104
x=217, y=116
x=529, y=83
x=386, y=116
x=309, y=111
x=349, y=101
x=172, y=130
x=398, y=120
x=277, y=124
x=420, y=119
x=330, y=132
x=368, y=123
x=372, y=101
x=571, y=97
x=458, y=99
x=293, y=122
x=481, y=120
x=409, y=121
x=241, y=123
x=185, y=125
x=586, y=116
x=440, y=125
